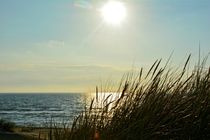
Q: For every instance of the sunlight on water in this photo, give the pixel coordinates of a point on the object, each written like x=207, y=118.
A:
x=37, y=109
x=101, y=99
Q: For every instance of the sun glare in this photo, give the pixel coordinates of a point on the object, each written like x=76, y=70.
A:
x=113, y=12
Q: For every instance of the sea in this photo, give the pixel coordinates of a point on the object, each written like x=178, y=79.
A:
x=38, y=109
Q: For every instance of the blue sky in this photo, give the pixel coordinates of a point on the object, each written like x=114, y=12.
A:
x=63, y=45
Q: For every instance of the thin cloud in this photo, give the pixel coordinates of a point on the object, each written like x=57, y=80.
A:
x=83, y=4
x=55, y=44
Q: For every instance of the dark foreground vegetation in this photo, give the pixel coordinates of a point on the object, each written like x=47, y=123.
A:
x=6, y=125
x=159, y=104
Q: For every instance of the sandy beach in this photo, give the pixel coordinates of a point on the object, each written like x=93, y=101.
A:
x=24, y=134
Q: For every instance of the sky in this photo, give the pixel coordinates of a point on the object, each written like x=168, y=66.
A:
x=65, y=46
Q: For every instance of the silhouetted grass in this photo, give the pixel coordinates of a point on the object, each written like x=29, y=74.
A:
x=6, y=125
x=159, y=104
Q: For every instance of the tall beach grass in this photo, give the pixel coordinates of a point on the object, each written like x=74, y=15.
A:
x=158, y=104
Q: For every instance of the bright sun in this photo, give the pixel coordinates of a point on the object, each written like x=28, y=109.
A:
x=114, y=12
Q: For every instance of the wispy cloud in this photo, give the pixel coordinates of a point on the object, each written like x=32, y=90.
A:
x=83, y=4
x=56, y=76
x=50, y=44
x=55, y=44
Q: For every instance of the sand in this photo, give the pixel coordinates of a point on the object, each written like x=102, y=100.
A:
x=23, y=134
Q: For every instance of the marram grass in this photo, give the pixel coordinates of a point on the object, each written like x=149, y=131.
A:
x=162, y=104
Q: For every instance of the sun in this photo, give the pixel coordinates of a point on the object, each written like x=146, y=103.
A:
x=114, y=12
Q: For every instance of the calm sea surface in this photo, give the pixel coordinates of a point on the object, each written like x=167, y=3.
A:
x=36, y=109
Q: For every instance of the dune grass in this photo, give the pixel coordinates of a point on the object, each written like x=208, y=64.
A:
x=6, y=125
x=159, y=104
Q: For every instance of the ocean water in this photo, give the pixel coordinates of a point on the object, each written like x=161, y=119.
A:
x=37, y=109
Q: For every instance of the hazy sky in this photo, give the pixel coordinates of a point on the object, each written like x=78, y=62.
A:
x=64, y=45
